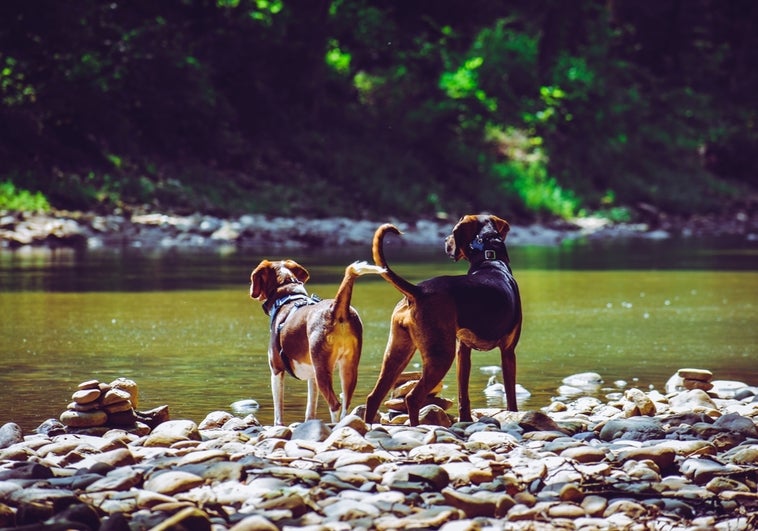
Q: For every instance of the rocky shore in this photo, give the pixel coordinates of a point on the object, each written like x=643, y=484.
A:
x=157, y=230
x=686, y=459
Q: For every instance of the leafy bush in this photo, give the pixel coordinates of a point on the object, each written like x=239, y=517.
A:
x=12, y=198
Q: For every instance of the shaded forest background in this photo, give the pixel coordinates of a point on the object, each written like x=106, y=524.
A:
x=528, y=108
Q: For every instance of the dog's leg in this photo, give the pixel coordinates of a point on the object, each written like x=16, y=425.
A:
x=310, y=409
x=437, y=355
x=508, y=359
x=324, y=382
x=348, y=368
x=400, y=349
x=463, y=361
x=277, y=392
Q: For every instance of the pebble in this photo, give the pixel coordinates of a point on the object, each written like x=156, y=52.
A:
x=589, y=465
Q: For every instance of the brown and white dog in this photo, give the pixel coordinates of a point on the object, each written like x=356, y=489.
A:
x=448, y=316
x=310, y=337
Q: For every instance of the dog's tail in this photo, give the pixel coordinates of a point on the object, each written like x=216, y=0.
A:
x=405, y=287
x=345, y=291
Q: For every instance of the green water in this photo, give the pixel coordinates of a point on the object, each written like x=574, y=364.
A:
x=183, y=327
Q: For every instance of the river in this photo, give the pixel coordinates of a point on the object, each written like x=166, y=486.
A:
x=181, y=323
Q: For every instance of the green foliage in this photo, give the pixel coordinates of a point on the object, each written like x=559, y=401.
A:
x=18, y=199
x=14, y=89
x=395, y=108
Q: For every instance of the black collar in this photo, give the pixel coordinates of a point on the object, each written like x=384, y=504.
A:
x=484, y=249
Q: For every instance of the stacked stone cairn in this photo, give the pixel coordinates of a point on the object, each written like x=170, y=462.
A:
x=696, y=379
x=97, y=404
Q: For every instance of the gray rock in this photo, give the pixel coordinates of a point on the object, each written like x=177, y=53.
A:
x=691, y=401
x=434, y=476
x=122, y=478
x=311, y=430
x=215, y=420
x=635, y=429
x=538, y=421
x=727, y=388
x=701, y=471
x=732, y=422
x=10, y=433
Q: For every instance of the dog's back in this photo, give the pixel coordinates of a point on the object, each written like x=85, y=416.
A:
x=487, y=300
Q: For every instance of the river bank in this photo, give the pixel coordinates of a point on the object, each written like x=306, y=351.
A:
x=160, y=230
x=686, y=459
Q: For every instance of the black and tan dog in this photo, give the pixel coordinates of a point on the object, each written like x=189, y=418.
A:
x=310, y=337
x=450, y=315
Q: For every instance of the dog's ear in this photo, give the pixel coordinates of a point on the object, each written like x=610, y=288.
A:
x=501, y=226
x=456, y=245
x=260, y=279
x=299, y=271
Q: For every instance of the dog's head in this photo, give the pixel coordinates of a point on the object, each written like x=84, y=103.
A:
x=268, y=277
x=471, y=228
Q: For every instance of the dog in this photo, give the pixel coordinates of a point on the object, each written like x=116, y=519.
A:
x=448, y=316
x=310, y=337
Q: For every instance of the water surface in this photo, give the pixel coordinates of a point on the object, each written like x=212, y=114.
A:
x=181, y=323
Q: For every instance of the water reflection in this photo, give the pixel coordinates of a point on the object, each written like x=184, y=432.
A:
x=181, y=324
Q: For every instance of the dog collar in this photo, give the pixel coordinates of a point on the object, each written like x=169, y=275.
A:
x=480, y=244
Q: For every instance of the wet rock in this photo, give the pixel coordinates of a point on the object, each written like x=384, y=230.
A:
x=727, y=388
x=583, y=380
x=254, y=523
x=84, y=419
x=695, y=400
x=86, y=396
x=434, y=476
x=10, y=433
x=734, y=423
x=215, y=420
x=747, y=455
x=565, y=510
x=187, y=518
x=701, y=471
x=628, y=508
x=118, y=479
x=172, y=482
x=661, y=454
x=26, y=471
x=594, y=505
x=584, y=454
x=479, y=504
x=435, y=415
x=639, y=404
x=635, y=429
x=311, y=430
x=537, y=421
x=173, y=431
x=571, y=492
